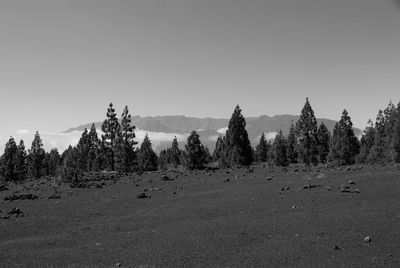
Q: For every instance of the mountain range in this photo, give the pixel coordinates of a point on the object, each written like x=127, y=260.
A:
x=162, y=129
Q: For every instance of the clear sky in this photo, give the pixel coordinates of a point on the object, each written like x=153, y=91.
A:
x=63, y=61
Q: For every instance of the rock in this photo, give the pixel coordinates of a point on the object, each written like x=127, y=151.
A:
x=367, y=239
x=142, y=195
x=16, y=212
x=351, y=182
x=357, y=191
x=336, y=247
x=269, y=178
x=55, y=196
x=20, y=197
x=166, y=178
x=118, y=264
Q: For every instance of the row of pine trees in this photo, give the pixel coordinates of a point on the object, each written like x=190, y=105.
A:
x=116, y=150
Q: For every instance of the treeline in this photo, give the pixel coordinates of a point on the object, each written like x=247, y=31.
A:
x=116, y=149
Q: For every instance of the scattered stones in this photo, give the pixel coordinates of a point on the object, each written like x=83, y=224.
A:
x=166, y=178
x=227, y=180
x=367, y=239
x=3, y=187
x=142, y=195
x=21, y=197
x=285, y=189
x=15, y=212
x=309, y=185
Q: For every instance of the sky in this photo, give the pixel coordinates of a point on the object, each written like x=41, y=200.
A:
x=63, y=61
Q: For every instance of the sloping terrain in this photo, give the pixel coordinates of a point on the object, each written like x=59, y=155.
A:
x=225, y=218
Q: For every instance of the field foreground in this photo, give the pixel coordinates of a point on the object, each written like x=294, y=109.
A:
x=222, y=218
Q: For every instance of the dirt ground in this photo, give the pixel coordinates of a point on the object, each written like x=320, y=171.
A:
x=222, y=218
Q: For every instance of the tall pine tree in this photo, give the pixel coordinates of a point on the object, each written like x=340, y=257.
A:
x=9, y=161
x=238, y=146
x=307, y=129
x=366, y=143
x=125, y=152
x=324, y=140
x=279, y=150
x=36, y=156
x=262, y=149
x=147, y=158
x=345, y=146
x=292, y=154
x=111, y=129
x=195, y=156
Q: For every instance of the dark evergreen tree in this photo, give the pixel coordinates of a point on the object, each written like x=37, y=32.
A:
x=219, y=154
x=147, y=158
x=111, y=128
x=324, y=140
x=390, y=116
x=279, y=150
x=262, y=149
x=238, y=146
x=21, y=162
x=194, y=154
x=9, y=161
x=174, y=153
x=94, y=149
x=377, y=152
x=292, y=145
x=367, y=141
x=396, y=137
x=345, y=146
x=36, y=156
x=71, y=171
x=83, y=148
x=125, y=152
x=54, y=162
x=307, y=129
x=162, y=159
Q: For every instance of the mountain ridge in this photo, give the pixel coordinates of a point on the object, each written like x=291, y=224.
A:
x=209, y=128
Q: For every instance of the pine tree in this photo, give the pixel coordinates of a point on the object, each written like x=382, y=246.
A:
x=162, y=159
x=390, y=116
x=345, y=146
x=262, y=149
x=36, y=156
x=54, y=162
x=219, y=154
x=367, y=141
x=83, y=148
x=237, y=140
x=307, y=130
x=94, y=149
x=125, y=152
x=111, y=128
x=396, y=138
x=324, y=140
x=279, y=150
x=9, y=161
x=194, y=154
x=174, y=153
x=71, y=171
x=147, y=158
x=377, y=152
x=292, y=154
x=21, y=162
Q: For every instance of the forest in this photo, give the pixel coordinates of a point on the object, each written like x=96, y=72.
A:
x=117, y=150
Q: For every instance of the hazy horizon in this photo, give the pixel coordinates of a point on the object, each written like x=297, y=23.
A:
x=62, y=62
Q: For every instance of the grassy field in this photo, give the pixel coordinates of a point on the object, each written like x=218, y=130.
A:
x=236, y=218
